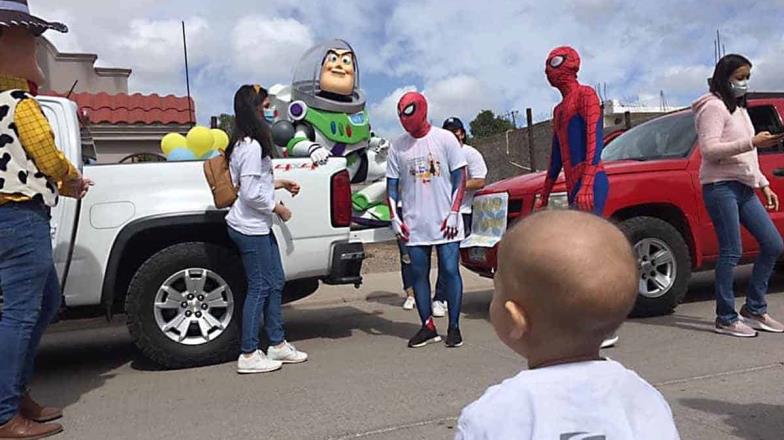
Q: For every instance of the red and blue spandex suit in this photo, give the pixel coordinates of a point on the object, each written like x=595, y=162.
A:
x=577, y=136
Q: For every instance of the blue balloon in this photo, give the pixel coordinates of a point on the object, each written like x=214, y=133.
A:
x=211, y=154
x=181, y=154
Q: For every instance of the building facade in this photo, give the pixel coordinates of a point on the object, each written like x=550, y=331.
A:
x=117, y=124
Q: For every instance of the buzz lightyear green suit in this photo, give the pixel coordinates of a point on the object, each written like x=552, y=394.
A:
x=322, y=114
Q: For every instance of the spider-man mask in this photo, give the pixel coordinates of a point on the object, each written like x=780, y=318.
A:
x=412, y=111
x=562, y=66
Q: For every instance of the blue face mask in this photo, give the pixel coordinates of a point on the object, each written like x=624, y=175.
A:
x=269, y=115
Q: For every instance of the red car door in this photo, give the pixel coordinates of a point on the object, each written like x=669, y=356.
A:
x=765, y=117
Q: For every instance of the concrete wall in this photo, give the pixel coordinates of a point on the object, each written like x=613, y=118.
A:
x=62, y=69
x=507, y=154
x=115, y=151
x=115, y=142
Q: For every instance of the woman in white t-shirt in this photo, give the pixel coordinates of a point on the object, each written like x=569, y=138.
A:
x=250, y=223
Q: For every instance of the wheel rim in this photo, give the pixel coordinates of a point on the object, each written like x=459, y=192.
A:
x=657, y=267
x=193, y=306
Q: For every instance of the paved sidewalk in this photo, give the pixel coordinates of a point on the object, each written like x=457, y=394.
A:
x=363, y=383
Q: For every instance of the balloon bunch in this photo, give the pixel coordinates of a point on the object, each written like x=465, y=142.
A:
x=199, y=143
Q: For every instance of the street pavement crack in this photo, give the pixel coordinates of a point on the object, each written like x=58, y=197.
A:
x=722, y=374
x=395, y=428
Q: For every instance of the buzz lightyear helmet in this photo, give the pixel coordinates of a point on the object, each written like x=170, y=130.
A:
x=307, y=83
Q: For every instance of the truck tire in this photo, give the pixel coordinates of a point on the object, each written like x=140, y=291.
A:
x=665, y=265
x=184, y=305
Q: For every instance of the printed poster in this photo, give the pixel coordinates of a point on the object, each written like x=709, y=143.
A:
x=489, y=220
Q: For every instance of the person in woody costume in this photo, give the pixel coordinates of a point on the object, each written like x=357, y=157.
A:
x=33, y=173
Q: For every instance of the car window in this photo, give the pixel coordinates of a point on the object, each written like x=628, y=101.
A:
x=89, y=155
x=670, y=136
x=766, y=118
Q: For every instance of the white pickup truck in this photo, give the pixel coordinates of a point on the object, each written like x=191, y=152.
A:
x=148, y=242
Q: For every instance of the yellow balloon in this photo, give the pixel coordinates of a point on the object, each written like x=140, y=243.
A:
x=221, y=139
x=172, y=141
x=200, y=140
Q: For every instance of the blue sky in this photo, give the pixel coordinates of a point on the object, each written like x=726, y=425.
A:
x=465, y=55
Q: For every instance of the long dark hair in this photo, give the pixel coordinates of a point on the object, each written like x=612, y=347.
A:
x=248, y=122
x=720, y=81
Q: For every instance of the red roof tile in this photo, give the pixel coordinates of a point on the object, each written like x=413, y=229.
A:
x=102, y=108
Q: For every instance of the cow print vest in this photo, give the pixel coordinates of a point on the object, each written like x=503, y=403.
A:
x=18, y=172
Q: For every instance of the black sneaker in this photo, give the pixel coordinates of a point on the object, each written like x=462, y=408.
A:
x=423, y=337
x=454, y=338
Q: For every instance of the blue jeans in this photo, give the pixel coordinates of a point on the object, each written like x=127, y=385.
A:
x=31, y=296
x=730, y=205
x=264, y=271
x=448, y=271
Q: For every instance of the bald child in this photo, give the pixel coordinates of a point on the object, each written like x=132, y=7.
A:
x=566, y=280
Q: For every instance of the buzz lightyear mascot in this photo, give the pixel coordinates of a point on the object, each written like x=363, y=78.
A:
x=322, y=114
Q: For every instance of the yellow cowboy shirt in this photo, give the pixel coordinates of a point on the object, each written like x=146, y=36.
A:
x=37, y=139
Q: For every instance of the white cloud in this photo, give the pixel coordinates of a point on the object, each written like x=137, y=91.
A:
x=461, y=95
x=268, y=48
x=154, y=50
x=679, y=80
x=383, y=114
x=637, y=48
x=768, y=70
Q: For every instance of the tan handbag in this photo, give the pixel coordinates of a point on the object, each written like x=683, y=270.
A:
x=218, y=175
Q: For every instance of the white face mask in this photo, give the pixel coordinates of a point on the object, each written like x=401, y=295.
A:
x=739, y=88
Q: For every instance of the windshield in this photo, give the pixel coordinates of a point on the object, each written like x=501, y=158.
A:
x=671, y=136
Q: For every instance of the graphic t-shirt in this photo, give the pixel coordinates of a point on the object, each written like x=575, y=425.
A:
x=477, y=169
x=424, y=167
x=597, y=400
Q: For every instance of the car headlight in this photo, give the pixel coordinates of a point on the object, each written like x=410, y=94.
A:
x=557, y=201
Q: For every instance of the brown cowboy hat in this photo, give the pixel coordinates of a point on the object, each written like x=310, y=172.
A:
x=17, y=13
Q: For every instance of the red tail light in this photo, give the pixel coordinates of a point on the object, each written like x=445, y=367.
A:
x=341, y=200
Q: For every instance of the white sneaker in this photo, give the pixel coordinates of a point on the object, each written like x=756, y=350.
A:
x=257, y=363
x=610, y=342
x=287, y=353
x=410, y=303
x=439, y=309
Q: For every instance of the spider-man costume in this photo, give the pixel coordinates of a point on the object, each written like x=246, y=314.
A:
x=426, y=201
x=577, y=136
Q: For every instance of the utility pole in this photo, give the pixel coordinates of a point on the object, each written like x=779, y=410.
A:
x=187, y=73
x=513, y=113
x=529, y=116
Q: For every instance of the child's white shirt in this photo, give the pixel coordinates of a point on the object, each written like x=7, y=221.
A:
x=596, y=400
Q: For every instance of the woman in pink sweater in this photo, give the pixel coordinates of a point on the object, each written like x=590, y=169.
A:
x=730, y=173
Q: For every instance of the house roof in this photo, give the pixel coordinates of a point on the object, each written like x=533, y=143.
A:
x=102, y=108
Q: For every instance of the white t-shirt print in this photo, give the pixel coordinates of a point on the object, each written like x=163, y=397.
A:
x=423, y=167
x=477, y=169
x=597, y=400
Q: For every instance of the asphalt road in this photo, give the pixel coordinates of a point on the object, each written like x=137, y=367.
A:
x=363, y=383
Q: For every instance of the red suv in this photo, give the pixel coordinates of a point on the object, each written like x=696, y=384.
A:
x=655, y=196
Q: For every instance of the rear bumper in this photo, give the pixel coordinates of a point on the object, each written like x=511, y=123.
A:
x=346, y=265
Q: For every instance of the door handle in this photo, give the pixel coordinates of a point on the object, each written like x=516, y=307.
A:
x=778, y=172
